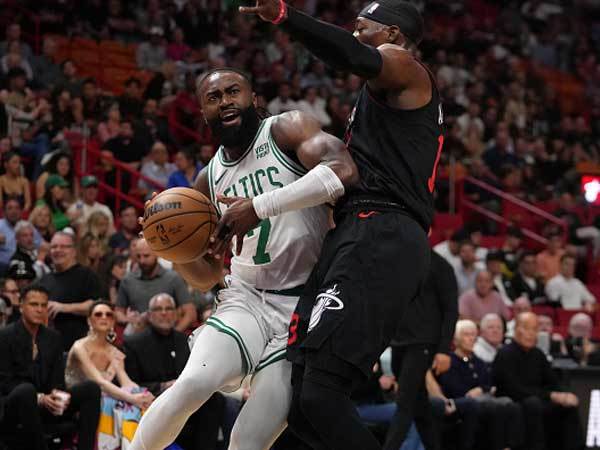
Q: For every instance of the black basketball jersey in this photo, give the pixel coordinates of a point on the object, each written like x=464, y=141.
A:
x=397, y=151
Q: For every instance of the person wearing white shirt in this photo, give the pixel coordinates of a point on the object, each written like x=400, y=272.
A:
x=80, y=211
x=314, y=105
x=158, y=168
x=568, y=290
x=283, y=102
x=449, y=249
x=490, y=338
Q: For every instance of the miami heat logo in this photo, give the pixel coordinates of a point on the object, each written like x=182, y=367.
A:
x=162, y=234
x=325, y=300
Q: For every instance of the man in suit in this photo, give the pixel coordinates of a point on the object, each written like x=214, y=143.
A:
x=525, y=282
x=154, y=359
x=32, y=380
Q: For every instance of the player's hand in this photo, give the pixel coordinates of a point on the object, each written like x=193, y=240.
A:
x=146, y=203
x=239, y=218
x=267, y=10
x=441, y=363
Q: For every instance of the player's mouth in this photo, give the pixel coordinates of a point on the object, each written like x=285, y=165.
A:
x=231, y=117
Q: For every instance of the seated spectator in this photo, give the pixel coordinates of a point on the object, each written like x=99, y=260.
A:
x=467, y=269
x=525, y=283
x=476, y=303
x=98, y=225
x=549, y=342
x=314, y=106
x=154, y=126
x=112, y=273
x=490, y=338
x=130, y=102
x=15, y=59
x=93, y=101
x=521, y=305
x=178, y=50
x=81, y=211
x=45, y=70
x=283, y=102
x=73, y=288
x=69, y=80
x=494, y=262
x=151, y=53
x=9, y=290
x=548, y=260
x=468, y=382
x=157, y=168
x=164, y=84
x=155, y=358
x=89, y=252
x=13, y=183
x=29, y=257
x=512, y=250
x=128, y=229
x=150, y=279
x=8, y=241
x=58, y=164
x=94, y=358
x=522, y=372
x=187, y=170
x=450, y=249
x=41, y=219
x=13, y=34
x=32, y=379
x=580, y=346
x=125, y=147
x=111, y=126
x=54, y=198
x=567, y=290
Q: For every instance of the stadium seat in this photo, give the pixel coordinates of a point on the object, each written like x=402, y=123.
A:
x=545, y=310
x=563, y=316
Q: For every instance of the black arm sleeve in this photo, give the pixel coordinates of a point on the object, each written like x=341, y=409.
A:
x=334, y=45
x=448, y=302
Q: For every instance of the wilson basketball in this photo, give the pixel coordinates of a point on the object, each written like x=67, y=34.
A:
x=178, y=223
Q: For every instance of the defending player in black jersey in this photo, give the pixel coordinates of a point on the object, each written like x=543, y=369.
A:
x=373, y=263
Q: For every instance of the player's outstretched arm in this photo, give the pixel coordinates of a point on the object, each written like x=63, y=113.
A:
x=387, y=67
x=330, y=171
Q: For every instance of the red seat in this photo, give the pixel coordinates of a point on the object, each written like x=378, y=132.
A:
x=544, y=310
x=563, y=316
x=492, y=241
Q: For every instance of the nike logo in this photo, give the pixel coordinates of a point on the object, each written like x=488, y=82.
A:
x=220, y=178
x=366, y=215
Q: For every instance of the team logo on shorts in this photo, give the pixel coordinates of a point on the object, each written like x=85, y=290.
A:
x=325, y=300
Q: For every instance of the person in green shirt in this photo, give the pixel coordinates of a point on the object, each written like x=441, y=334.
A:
x=54, y=198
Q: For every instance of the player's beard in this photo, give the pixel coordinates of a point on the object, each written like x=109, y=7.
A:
x=240, y=135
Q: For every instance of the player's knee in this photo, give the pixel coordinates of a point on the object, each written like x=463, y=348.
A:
x=194, y=390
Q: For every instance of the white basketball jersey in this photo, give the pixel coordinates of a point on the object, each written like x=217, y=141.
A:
x=281, y=252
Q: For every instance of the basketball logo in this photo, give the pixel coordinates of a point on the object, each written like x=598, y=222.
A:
x=328, y=300
x=162, y=234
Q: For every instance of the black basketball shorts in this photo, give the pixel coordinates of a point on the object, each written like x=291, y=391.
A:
x=371, y=266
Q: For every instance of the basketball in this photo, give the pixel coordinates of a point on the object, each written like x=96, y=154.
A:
x=178, y=223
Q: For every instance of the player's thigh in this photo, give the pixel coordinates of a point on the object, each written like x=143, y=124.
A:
x=264, y=416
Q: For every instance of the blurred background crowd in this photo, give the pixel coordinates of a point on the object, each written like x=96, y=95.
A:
x=98, y=110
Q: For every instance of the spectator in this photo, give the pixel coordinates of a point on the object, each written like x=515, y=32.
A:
x=32, y=379
x=157, y=168
x=8, y=242
x=82, y=210
x=130, y=102
x=113, y=272
x=94, y=103
x=125, y=146
x=470, y=119
x=28, y=257
x=10, y=291
x=58, y=164
x=314, y=105
x=54, y=198
x=89, y=252
x=151, y=53
x=13, y=183
x=41, y=219
x=500, y=154
x=111, y=126
x=494, y=260
x=150, y=279
x=580, y=346
x=178, y=50
x=490, y=338
x=13, y=34
x=163, y=85
x=283, y=102
x=523, y=373
x=155, y=358
x=4, y=312
x=13, y=59
x=525, y=283
x=98, y=225
x=468, y=382
x=476, y=303
x=70, y=81
x=450, y=249
x=567, y=290
x=551, y=343
x=512, y=250
x=466, y=271
x=72, y=287
x=521, y=305
x=94, y=358
x=128, y=229
x=187, y=170
x=154, y=126
x=548, y=260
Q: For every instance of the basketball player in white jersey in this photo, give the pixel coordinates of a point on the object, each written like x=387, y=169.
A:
x=293, y=170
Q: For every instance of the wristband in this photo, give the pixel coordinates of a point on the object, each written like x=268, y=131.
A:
x=282, y=11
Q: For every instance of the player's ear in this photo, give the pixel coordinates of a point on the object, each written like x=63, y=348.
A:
x=393, y=33
x=254, y=99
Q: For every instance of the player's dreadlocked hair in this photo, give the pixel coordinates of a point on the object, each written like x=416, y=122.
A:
x=262, y=112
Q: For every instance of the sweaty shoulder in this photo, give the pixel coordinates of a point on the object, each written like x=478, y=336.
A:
x=201, y=183
x=400, y=69
x=291, y=128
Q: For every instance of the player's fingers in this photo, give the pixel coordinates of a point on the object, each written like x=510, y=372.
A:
x=227, y=200
x=249, y=9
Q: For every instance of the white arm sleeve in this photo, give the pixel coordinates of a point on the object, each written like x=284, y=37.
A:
x=320, y=185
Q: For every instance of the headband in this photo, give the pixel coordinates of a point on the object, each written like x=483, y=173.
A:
x=406, y=18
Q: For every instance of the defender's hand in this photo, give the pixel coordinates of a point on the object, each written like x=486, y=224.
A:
x=239, y=218
x=267, y=10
